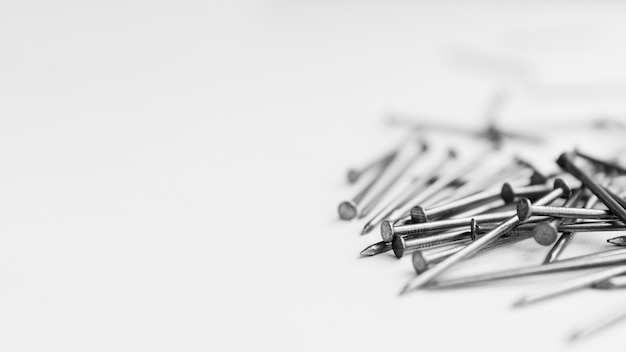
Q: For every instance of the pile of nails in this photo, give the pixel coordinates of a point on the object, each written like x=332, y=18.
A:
x=441, y=217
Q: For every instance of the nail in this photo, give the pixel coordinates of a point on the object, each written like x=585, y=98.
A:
x=525, y=210
x=560, y=188
x=376, y=248
x=509, y=192
x=565, y=162
x=387, y=230
x=617, y=198
x=529, y=227
x=546, y=233
x=569, y=286
x=490, y=207
x=614, y=315
x=355, y=174
x=537, y=177
x=425, y=258
x=420, y=215
x=616, y=282
x=595, y=255
x=560, y=266
x=602, y=163
x=411, y=192
x=348, y=210
x=388, y=183
x=401, y=245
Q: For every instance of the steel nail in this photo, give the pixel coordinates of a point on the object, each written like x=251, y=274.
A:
x=602, y=163
x=401, y=245
x=355, y=174
x=419, y=214
x=613, y=316
x=616, y=282
x=559, y=266
x=566, y=162
x=423, y=259
x=509, y=193
x=525, y=209
x=568, y=286
x=387, y=230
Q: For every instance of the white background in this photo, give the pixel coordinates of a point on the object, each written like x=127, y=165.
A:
x=171, y=170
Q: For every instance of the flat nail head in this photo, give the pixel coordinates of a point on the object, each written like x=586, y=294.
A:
x=353, y=176
x=545, y=233
x=523, y=209
x=507, y=193
x=386, y=231
x=473, y=229
x=560, y=183
x=347, y=210
x=537, y=178
x=419, y=263
x=418, y=214
x=398, y=245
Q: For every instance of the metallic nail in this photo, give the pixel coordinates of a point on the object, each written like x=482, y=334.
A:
x=376, y=248
x=571, y=285
x=613, y=316
x=401, y=245
x=529, y=227
x=561, y=188
x=409, y=193
x=423, y=259
x=387, y=184
x=565, y=161
x=546, y=233
x=559, y=266
x=420, y=215
x=595, y=255
x=618, y=199
x=491, y=207
x=387, y=230
x=602, y=163
x=348, y=209
x=616, y=282
x=537, y=177
x=593, y=227
x=355, y=174
x=525, y=209
x=509, y=193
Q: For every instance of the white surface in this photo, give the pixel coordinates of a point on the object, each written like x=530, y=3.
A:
x=170, y=170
